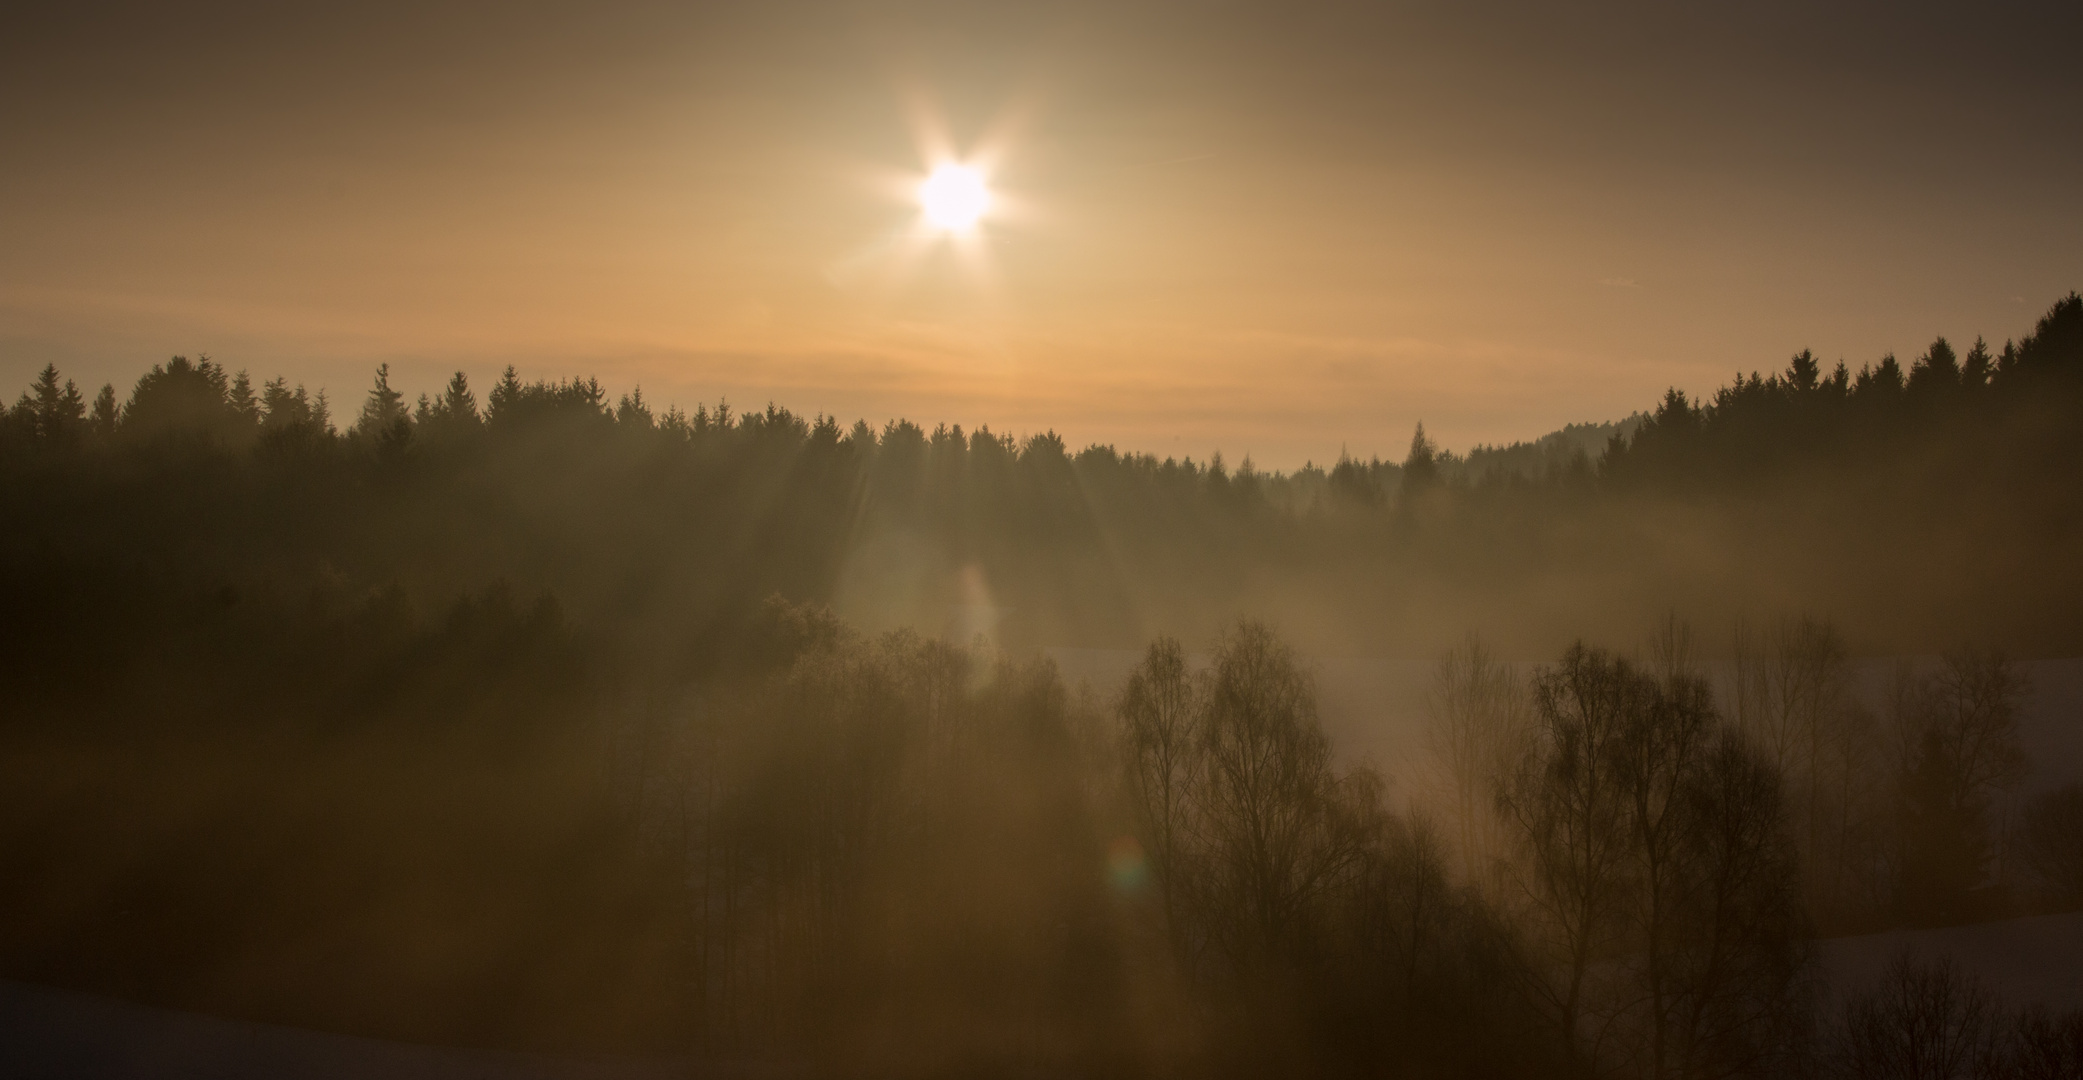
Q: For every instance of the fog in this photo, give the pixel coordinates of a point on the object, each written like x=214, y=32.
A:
x=537, y=717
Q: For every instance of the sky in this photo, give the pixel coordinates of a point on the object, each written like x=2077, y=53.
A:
x=1281, y=230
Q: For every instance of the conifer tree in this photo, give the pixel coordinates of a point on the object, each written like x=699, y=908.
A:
x=1976, y=370
x=457, y=404
x=242, y=402
x=57, y=411
x=1937, y=371
x=282, y=408
x=1421, y=467
x=106, y=414
x=184, y=399
x=1803, y=372
x=632, y=410
x=505, y=396
x=384, y=418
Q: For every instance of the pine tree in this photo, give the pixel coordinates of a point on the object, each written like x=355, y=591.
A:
x=1976, y=371
x=183, y=400
x=1803, y=372
x=383, y=415
x=58, y=410
x=1937, y=371
x=1885, y=380
x=632, y=409
x=1421, y=467
x=281, y=408
x=505, y=397
x=2055, y=346
x=240, y=398
x=102, y=422
x=458, y=405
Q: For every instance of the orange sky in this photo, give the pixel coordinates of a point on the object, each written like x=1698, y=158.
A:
x=1271, y=229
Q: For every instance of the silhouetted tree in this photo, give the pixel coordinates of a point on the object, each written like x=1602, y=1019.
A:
x=1355, y=482
x=1656, y=874
x=1924, y=1020
x=1959, y=731
x=1477, y=725
x=1937, y=372
x=1420, y=466
x=384, y=422
x=1569, y=813
x=1160, y=710
x=1978, y=367
x=52, y=413
x=632, y=410
x=106, y=415
x=2044, y=1045
x=1792, y=698
x=180, y=400
x=2050, y=844
x=283, y=410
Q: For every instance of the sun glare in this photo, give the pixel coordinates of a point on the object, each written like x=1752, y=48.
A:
x=954, y=198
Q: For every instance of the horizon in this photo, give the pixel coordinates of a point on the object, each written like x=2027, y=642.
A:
x=1279, y=236
x=612, y=394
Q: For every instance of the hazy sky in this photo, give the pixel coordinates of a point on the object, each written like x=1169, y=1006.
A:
x=1276, y=229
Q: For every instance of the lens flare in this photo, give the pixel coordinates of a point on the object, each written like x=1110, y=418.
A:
x=1126, y=867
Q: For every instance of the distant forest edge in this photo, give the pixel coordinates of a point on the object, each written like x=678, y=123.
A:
x=1920, y=508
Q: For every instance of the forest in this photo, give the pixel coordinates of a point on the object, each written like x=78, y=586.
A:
x=555, y=720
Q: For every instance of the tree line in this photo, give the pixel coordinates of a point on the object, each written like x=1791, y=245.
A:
x=1752, y=429
x=1957, y=474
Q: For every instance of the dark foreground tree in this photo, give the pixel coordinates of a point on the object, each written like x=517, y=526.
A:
x=2050, y=845
x=1958, y=727
x=1313, y=932
x=1927, y=1019
x=1656, y=876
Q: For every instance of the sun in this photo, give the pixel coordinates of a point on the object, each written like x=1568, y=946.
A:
x=954, y=198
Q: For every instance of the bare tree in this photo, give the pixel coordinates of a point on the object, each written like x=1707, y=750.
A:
x=1925, y=1021
x=1276, y=839
x=1160, y=711
x=1972, y=705
x=1792, y=697
x=1665, y=733
x=1958, y=733
x=1673, y=653
x=1570, y=816
x=2050, y=842
x=1478, y=720
x=1657, y=874
x=1791, y=684
x=1312, y=926
x=1738, y=951
x=2045, y=1046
